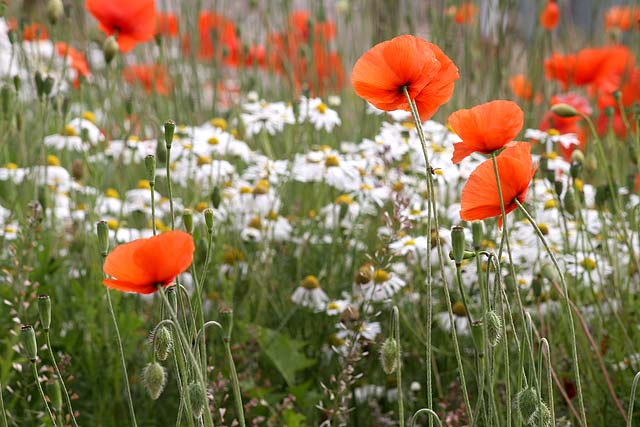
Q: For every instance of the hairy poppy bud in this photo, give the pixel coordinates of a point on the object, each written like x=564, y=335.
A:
x=162, y=343
x=477, y=231
x=29, y=343
x=216, y=197
x=154, y=377
x=110, y=49
x=577, y=156
x=388, y=355
x=55, y=10
x=197, y=398
x=494, y=327
x=457, y=243
x=187, y=220
x=570, y=202
x=169, y=130
x=150, y=165
x=44, y=310
x=526, y=403
x=208, y=219
x=103, y=237
x=564, y=110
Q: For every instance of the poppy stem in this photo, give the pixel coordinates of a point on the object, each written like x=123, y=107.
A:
x=64, y=387
x=434, y=212
x=2, y=410
x=153, y=207
x=396, y=332
x=169, y=192
x=565, y=290
x=44, y=397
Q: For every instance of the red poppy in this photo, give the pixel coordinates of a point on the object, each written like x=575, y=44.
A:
x=218, y=38
x=132, y=21
x=153, y=78
x=622, y=18
x=521, y=87
x=140, y=266
x=480, y=198
x=486, y=127
x=599, y=68
x=465, y=13
x=167, y=24
x=381, y=74
x=300, y=24
x=563, y=125
x=550, y=15
x=34, y=32
x=77, y=59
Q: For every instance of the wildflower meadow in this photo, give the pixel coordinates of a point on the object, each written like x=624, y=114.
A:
x=290, y=213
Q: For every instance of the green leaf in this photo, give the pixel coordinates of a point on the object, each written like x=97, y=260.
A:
x=284, y=353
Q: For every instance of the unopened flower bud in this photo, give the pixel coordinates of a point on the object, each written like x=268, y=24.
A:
x=577, y=156
x=494, y=327
x=549, y=272
x=150, y=165
x=388, y=355
x=161, y=153
x=55, y=394
x=29, y=344
x=197, y=399
x=558, y=186
x=208, y=219
x=110, y=49
x=17, y=83
x=39, y=81
x=526, y=403
x=570, y=202
x=187, y=220
x=477, y=231
x=47, y=85
x=44, y=311
x=169, y=130
x=216, y=197
x=154, y=378
x=162, y=343
x=457, y=243
x=103, y=237
x=541, y=416
x=77, y=169
x=564, y=110
x=591, y=163
x=55, y=10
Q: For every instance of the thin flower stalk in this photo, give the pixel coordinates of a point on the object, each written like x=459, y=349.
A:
x=64, y=387
x=34, y=368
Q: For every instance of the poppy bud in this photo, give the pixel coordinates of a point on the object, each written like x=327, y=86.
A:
x=570, y=202
x=541, y=417
x=388, y=356
x=197, y=399
x=154, y=378
x=591, y=163
x=169, y=129
x=526, y=403
x=208, y=219
x=161, y=153
x=216, y=197
x=11, y=35
x=150, y=165
x=47, y=85
x=477, y=232
x=17, y=83
x=77, y=169
x=457, y=244
x=564, y=110
x=162, y=343
x=172, y=296
x=55, y=394
x=549, y=273
x=29, y=344
x=5, y=97
x=536, y=286
x=187, y=220
x=110, y=49
x=558, y=186
x=44, y=310
x=55, y=10
x=103, y=237
x=39, y=81
x=494, y=327
x=575, y=170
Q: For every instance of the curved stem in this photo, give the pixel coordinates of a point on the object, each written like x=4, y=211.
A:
x=632, y=398
x=428, y=412
x=544, y=350
x=64, y=387
x=565, y=290
x=44, y=397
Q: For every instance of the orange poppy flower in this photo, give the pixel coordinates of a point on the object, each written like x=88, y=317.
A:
x=563, y=125
x=380, y=75
x=140, y=266
x=167, y=24
x=480, y=198
x=132, y=21
x=153, y=78
x=550, y=15
x=485, y=128
x=622, y=18
x=465, y=13
x=77, y=58
x=218, y=38
x=34, y=32
x=521, y=87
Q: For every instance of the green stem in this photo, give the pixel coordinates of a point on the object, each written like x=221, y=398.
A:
x=169, y=192
x=632, y=399
x=153, y=207
x=64, y=387
x=237, y=396
x=396, y=332
x=4, y=413
x=44, y=397
x=565, y=290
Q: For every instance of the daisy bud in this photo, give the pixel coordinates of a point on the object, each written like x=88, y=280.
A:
x=197, y=398
x=154, y=377
x=150, y=165
x=457, y=243
x=187, y=220
x=477, y=231
x=103, y=237
x=110, y=49
x=169, y=129
x=494, y=327
x=208, y=219
x=570, y=202
x=44, y=310
x=216, y=197
x=55, y=10
x=388, y=356
x=55, y=394
x=29, y=344
x=564, y=110
x=162, y=343
x=526, y=403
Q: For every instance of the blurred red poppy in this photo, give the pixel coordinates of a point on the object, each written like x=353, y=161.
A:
x=153, y=78
x=132, y=21
x=550, y=15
